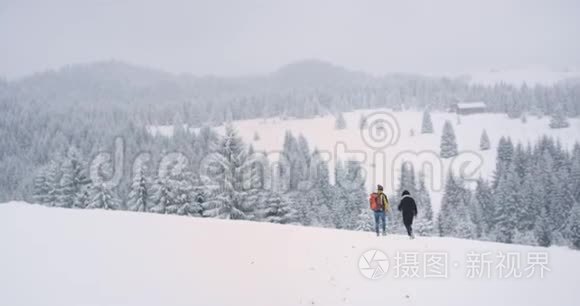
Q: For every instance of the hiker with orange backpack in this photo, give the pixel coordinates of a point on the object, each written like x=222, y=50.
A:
x=379, y=204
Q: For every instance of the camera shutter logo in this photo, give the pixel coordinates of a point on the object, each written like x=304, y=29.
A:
x=373, y=264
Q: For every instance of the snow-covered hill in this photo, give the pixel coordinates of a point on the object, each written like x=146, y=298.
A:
x=52, y=256
x=419, y=149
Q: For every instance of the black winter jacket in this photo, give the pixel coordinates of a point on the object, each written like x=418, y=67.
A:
x=409, y=209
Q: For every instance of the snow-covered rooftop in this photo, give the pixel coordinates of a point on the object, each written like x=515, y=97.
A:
x=464, y=105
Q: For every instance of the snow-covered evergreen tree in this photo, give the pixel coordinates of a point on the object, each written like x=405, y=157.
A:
x=139, y=193
x=508, y=198
x=573, y=226
x=483, y=204
x=542, y=230
x=505, y=151
x=484, y=141
x=559, y=120
x=321, y=196
x=41, y=186
x=424, y=224
x=448, y=141
x=454, y=219
x=363, y=124
x=103, y=197
x=365, y=221
x=162, y=195
x=340, y=123
x=51, y=184
x=277, y=209
x=83, y=198
x=232, y=198
x=427, y=124
x=74, y=178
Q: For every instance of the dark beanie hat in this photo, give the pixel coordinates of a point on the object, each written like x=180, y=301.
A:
x=405, y=192
x=380, y=187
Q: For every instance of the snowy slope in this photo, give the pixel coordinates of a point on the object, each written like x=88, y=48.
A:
x=320, y=133
x=53, y=256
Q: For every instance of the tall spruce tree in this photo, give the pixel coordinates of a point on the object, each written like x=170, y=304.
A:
x=484, y=141
x=340, y=123
x=484, y=203
x=505, y=151
x=454, y=219
x=233, y=195
x=559, y=120
x=427, y=124
x=139, y=193
x=277, y=209
x=103, y=197
x=448, y=141
x=509, y=199
x=424, y=224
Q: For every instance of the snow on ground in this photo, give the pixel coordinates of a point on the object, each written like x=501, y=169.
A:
x=54, y=256
x=420, y=149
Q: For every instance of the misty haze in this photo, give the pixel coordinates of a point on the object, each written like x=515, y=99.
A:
x=289, y=152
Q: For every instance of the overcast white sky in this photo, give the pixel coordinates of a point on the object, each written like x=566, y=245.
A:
x=235, y=37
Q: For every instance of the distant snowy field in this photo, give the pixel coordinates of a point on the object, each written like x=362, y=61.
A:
x=419, y=149
x=54, y=256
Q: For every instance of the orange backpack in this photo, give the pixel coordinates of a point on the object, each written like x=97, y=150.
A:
x=375, y=202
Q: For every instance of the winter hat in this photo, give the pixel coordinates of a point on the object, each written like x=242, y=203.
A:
x=380, y=187
x=405, y=192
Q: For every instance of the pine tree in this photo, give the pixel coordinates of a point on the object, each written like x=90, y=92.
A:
x=51, y=184
x=484, y=141
x=103, y=197
x=542, y=229
x=363, y=124
x=83, y=198
x=162, y=195
x=365, y=221
x=321, y=196
x=74, y=178
x=575, y=171
x=559, y=120
x=139, y=193
x=505, y=151
x=508, y=199
x=448, y=141
x=424, y=224
x=484, y=204
x=303, y=207
x=290, y=166
x=573, y=229
x=340, y=123
x=454, y=219
x=232, y=195
x=41, y=187
x=184, y=203
x=562, y=200
x=427, y=125
x=277, y=209
x=256, y=136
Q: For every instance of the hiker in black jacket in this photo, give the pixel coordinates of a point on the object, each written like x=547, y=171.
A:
x=409, y=210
